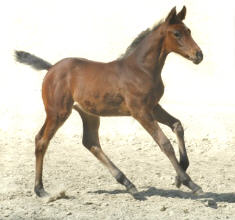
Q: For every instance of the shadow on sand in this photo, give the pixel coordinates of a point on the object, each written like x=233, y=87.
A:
x=152, y=191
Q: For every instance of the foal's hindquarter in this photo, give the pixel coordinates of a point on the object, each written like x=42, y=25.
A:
x=130, y=86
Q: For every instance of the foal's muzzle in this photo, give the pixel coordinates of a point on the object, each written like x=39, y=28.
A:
x=198, y=57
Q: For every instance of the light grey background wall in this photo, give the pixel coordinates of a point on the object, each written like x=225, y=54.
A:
x=102, y=30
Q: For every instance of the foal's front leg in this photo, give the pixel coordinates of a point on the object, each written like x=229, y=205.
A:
x=145, y=117
x=165, y=118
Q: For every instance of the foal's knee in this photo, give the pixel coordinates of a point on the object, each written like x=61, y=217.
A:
x=178, y=128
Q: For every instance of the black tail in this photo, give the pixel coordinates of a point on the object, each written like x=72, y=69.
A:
x=31, y=60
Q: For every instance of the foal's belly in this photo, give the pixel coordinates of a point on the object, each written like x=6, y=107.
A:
x=107, y=105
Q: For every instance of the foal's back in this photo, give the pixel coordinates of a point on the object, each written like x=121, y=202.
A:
x=96, y=87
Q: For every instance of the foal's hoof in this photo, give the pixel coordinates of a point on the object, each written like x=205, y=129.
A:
x=177, y=182
x=132, y=190
x=198, y=191
x=40, y=192
x=136, y=195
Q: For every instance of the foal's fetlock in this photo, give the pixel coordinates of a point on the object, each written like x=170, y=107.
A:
x=181, y=180
x=185, y=180
x=178, y=182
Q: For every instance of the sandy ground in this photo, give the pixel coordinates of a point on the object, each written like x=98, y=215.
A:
x=91, y=192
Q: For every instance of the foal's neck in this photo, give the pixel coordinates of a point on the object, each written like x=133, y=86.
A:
x=151, y=55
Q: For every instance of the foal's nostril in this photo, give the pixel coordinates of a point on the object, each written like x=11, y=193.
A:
x=199, y=55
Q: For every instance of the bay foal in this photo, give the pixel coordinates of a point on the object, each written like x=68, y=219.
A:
x=129, y=86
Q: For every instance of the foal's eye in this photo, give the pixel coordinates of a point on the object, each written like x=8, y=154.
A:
x=177, y=34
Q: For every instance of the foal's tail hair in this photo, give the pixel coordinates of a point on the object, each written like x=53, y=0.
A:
x=31, y=60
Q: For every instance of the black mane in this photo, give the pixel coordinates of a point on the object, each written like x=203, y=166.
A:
x=139, y=39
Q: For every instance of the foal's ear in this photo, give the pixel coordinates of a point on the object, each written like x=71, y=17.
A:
x=171, y=17
x=182, y=13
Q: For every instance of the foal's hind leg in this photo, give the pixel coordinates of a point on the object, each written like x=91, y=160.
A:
x=91, y=142
x=42, y=139
x=165, y=118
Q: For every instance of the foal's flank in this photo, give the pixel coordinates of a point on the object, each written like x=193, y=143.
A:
x=128, y=86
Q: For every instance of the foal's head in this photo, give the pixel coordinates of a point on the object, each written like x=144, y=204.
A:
x=178, y=37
